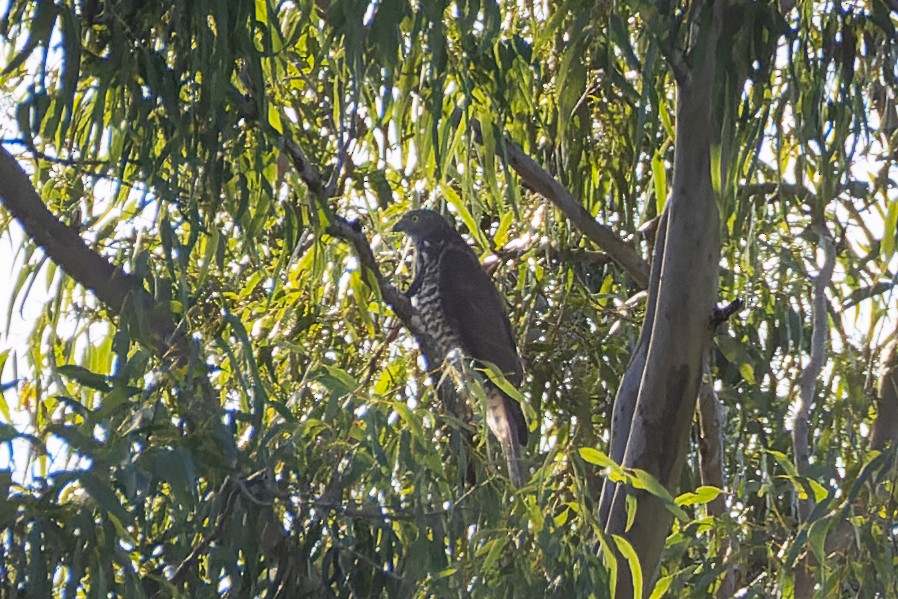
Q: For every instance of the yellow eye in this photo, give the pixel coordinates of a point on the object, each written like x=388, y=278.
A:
x=414, y=218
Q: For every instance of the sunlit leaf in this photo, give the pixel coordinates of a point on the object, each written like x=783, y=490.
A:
x=629, y=554
x=701, y=495
x=659, y=177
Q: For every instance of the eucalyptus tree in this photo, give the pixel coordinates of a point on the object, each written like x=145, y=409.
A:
x=220, y=390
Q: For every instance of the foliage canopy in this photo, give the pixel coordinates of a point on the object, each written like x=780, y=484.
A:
x=208, y=148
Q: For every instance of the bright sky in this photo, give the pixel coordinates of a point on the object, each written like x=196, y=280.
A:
x=16, y=319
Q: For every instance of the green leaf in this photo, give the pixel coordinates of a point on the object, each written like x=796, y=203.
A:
x=210, y=249
x=784, y=462
x=820, y=492
x=453, y=198
x=4, y=407
x=594, y=456
x=731, y=349
x=666, y=120
x=629, y=554
x=491, y=552
x=39, y=35
x=262, y=11
x=337, y=380
x=535, y=513
x=645, y=481
x=118, y=396
x=632, y=508
x=887, y=248
x=101, y=492
x=74, y=437
x=274, y=119
x=84, y=376
x=702, y=495
x=817, y=537
x=619, y=33
x=382, y=189
x=496, y=377
x=605, y=292
x=716, y=165
x=175, y=467
x=661, y=587
x=562, y=518
x=413, y=423
x=747, y=372
x=659, y=178
x=121, y=530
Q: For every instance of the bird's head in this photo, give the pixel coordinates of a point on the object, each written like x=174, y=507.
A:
x=424, y=225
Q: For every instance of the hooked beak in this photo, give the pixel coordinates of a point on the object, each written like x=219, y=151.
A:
x=400, y=227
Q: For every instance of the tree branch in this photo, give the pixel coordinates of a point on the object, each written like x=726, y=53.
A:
x=808, y=381
x=665, y=372
x=349, y=232
x=628, y=390
x=722, y=314
x=861, y=294
x=111, y=285
x=538, y=179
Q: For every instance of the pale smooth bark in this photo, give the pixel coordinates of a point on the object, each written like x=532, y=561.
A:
x=808, y=382
x=677, y=330
x=803, y=570
x=628, y=392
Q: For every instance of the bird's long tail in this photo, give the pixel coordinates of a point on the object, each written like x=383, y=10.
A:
x=504, y=425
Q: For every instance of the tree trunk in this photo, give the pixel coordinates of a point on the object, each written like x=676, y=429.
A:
x=628, y=392
x=885, y=427
x=677, y=330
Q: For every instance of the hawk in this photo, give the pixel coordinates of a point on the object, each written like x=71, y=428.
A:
x=461, y=308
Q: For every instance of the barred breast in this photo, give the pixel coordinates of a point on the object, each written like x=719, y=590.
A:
x=429, y=304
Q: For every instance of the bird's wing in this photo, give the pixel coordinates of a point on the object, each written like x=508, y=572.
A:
x=474, y=309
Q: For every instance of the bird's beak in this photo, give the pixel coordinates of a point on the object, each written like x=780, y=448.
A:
x=399, y=227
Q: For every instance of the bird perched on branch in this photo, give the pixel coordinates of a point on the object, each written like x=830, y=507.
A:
x=461, y=308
